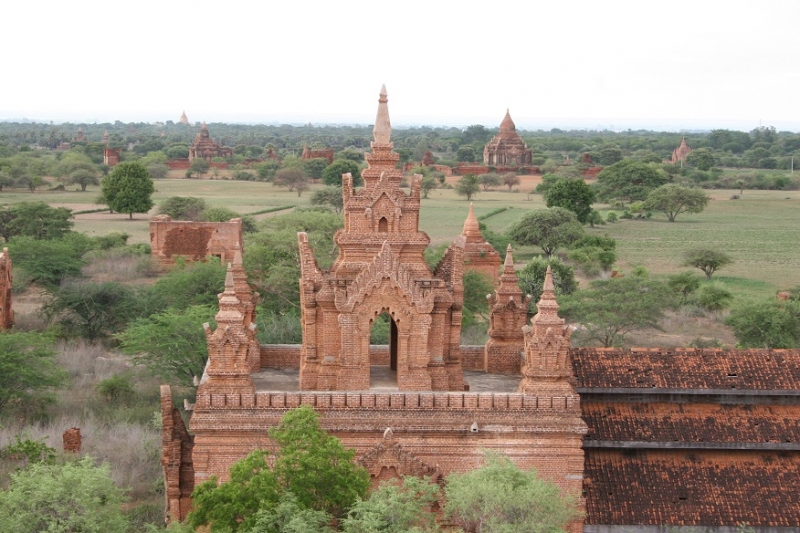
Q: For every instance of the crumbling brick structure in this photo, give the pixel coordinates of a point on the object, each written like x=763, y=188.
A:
x=204, y=147
x=479, y=255
x=6, y=281
x=507, y=148
x=71, y=440
x=325, y=153
x=111, y=156
x=193, y=241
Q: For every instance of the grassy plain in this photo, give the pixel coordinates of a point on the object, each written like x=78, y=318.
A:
x=761, y=230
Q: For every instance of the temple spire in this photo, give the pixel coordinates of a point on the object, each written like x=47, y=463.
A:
x=383, y=127
x=509, y=261
x=507, y=125
x=471, y=226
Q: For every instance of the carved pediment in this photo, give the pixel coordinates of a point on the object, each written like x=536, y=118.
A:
x=390, y=456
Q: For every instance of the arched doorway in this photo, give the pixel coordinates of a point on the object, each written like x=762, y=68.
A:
x=383, y=366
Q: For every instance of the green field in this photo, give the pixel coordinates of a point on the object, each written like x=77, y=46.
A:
x=761, y=231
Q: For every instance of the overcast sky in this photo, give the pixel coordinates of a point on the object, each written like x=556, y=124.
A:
x=688, y=64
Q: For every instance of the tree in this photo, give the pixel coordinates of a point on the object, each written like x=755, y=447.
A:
x=572, y=194
x=287, y=516
x=84, y=178
x=489, y=181
x=593, y=254
x=128, y=189
x=396, y=508
x=292, y=178
x=332, y=175
x=465, y=154
x=315, y=167
x=45, y=262
x=510, y=180
x=550, y=229
x=330, y=196
x=198, y=166
x=701, y=159
x=92, y=310
x=183, y=207
x=193, y=284
x=170, y=344
x=223, y=214
x=70, y=497
x=714, y=297
x=468, y=186
x=157, y=171
x=312, y=466
x=499, y=497
x=684, y=284
x=428, y=184
x=707, y=260
x=674, y=199
x=628, y=179
x=26, y=367
x=35, y=219
x=770, y=324
x=610, y=309
x=531, y=277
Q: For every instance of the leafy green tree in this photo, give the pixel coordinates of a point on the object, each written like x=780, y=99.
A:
x=684, y=284
x=769, y=324
x=701, y=159
x=674, y=199
x=171, y=344
x=428, y=184
x=550, y=229
x=501, y=498
x=714, y=297
x=572, y=194
x=396, y=508
x=310, y=464
x=611, y=309
x=92, y=310
x=330, y=196
x=465, y=154
x=183, y=207
x=63, y=498
x=45, y=262
x=128, y=189
x=468, y=186
x=157, y=171
x=266, y=170
x=293, y=178
x=35, y=219
x=315, y=167
x=332, y=175
x=476, y=287
x=593, y=254
x=84, y=178
x=193, y=284
x=287, y=516
x=609, y=155
x=531, y=277
x=707, y=260
x=26, y=367
x=223, y=214
x=630, y=180
x=178, y=151
x=198, y=167
x=489, y=181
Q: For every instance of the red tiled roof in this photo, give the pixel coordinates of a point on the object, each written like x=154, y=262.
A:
x=762, y=370
x=691, y=422
x=695, y=488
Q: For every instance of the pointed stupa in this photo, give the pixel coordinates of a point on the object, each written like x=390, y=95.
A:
x=507, y=126
x=508, y=263
x=229, y=303
x=184, y=119
x=472, y=230
x=383, y=127
x=547, y=306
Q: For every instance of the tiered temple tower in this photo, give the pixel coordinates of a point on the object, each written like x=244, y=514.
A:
x=679, y=154
x=508, y=315
x=507, y=148
x=479, y=255
x=204, y=146
x=381, y=268
x=548, y=367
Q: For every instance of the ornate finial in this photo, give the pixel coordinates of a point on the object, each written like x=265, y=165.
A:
x=383, y=127
x=509, y=262
x=229, y=279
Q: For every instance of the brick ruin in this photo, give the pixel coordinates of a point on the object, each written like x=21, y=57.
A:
x=204, y=147
x=325, y=153
x=650, y=438
x=111, y=156
x=193, y=241
x=6, y=279
x=479, y=255
x=507, y=149
x=679, y=154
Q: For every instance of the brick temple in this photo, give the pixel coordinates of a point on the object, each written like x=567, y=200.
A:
x=679, y=154
x=706, y=440
x=204, y=147
x=507, y=149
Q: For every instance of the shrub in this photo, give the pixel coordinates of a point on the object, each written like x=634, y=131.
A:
x=116, y=388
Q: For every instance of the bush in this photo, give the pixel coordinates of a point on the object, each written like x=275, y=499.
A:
x=116, y=388
x=183, y=208
x=714, y=297
x=45, y=262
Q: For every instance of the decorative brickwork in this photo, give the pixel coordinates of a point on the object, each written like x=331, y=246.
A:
x=381, y=268
x=547, y=367
x=326, y=153
x=194, y=241
x=679, y=154
x=111, y=156
x=508, y=316
x=507, y=148
x=479, y=255
x=6, y=282
x=72, y=440
x=204, y=147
